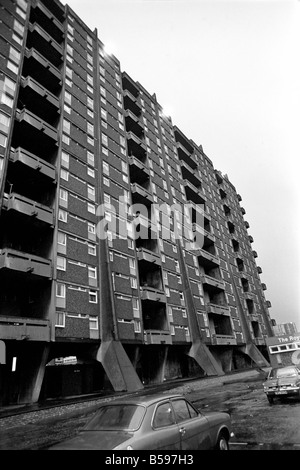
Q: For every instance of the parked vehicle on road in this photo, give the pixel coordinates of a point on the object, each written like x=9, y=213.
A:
x=155, y=422
x=282, y=382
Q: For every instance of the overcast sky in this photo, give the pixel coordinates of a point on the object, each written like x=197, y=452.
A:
x=228, y=73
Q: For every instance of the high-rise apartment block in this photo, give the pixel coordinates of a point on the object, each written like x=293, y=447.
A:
x=125, y=258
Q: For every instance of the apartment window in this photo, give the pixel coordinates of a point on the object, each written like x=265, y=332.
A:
x=69, y=50
x=89, y=58
x=104, y=114
x=12, y=67
x=66, y=126
x=90, y=102
x=91, y=172
x=63, y=194
x=93, y=297
x=137, y=326
x=91, y=249
x=103, y=91
x=92, y=272
x=4, y=123
x=104, y=139
x=89, y=40
x=90, y=158
x=94, y=325
x=90, y=140
x=91, y=208
x=22, y=4
x=167, y=291
x=60, y=319
x=106, y=181
x=61, y=238
x=64, y=174
x=90, y=80
x=14, y=55
x=69, y=72
x=18, y=28
x=62, y=216
x=122, y=141
x=90, y=129
x=172, y=329
x=65, y=159
x=91, y=192
x=60, y=290
x=133, y=283
x=106, y=168
x=91, y=228
x=90, y=113
x=67, y=109
x=61, y=263
x=132, y=266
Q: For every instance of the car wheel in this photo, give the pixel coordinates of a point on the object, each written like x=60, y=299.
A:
x=222, y=443
x=271, y=400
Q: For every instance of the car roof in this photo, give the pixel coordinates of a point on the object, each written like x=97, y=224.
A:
x=145, y=400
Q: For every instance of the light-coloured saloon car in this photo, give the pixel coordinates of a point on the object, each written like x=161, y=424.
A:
x=154, y=422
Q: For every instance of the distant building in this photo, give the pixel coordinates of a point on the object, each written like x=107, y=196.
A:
x=285, y=329
x=88, y=283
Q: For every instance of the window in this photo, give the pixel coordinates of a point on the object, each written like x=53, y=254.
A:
x=183, y=410
x=91, y=249
x=64, y=174
x=94, y=325
x=90, y=129
x=91, y=192
x=62, y=215
x=164, y=416
x=14, y=55
x=61, y=263
x=91, y=228
x=60, y=290
x=63, y=194
x=91, y=172
x=106, y=181
x=104, y=139
x=132, y=266
x=18, y=28
x=133, y=283
x=90, y=159
x=12, y=67
x=91, y=208
x=92, y=272
x=137, y=326
x=93, y=296
x=61, y=238
x=4, y=123
x=66, y=126
x=60, y=319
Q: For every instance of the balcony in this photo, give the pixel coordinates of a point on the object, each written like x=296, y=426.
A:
x=130, y=85
x=187, y=157
x=131, y=103
x=155, y=295
x=30, y=161
x=39, y=100
x=259, y=270
x=28, y=207
x=218, y=309
x=223, y=339
x=254, y=253
x=31, y=329
x=243, y=210
x=141, y=195
x=34, y=124
x=269, y=305
x=148, y=256
x=190, y=174
x=219, y=176
x=263, y=286
x=250, y=238
x=135, y=146
x=253, y=317
x=207, y=260
x=208, y=237
x=50, y=22
x=247, y=225
x=183, y=140
x=239, y=197
x=138, y=171
x=46, y=45
x=39, y=68
x=25, y=263
x=212, y=283
x=157, y=337
x=133, y=124
x=193, y=193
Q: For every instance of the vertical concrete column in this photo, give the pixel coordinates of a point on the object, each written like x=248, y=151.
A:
x=33, y=363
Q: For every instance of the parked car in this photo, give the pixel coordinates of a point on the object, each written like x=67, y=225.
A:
x=282, y=382
x=155, y=422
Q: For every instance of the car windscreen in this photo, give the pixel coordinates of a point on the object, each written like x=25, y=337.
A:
x=287, y=372
x=116, y=418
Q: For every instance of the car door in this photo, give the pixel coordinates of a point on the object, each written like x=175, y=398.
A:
x=165, y=430
x=193, y=426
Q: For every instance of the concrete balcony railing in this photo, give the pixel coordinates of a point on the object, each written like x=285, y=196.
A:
x=46, y=64
x=28, y=207
x=259, y=341
x=212, y=281
x=155, y=295
x=29, y=82
x=157, y=337
x=205, y=233
x=26, y=263
x=218, y=309
x=24, y=157
x=141, y=193
x=37, y=123
x=205, y=256
x=146, y=255
x=223, y=339
x=31, y=329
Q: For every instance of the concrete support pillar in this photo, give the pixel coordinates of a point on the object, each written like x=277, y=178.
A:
x=33, y=373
